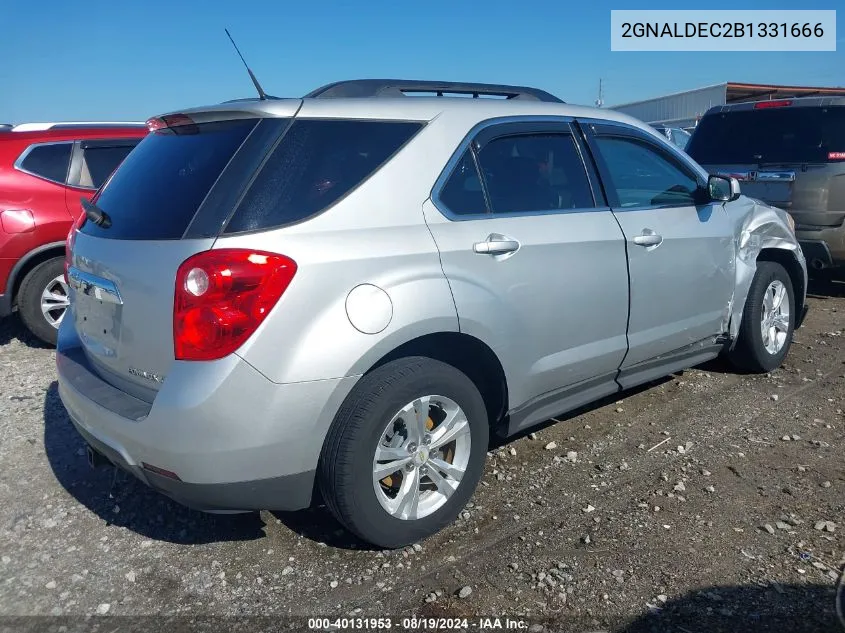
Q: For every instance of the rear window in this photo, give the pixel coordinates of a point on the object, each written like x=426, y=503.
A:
x=157, y=190
x=316, y=163
x=769, y=135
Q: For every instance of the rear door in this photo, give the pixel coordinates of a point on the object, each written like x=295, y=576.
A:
x=92, y=163
x=788, y=155
x=166, y=201
x=680, y=245
x=535, y=260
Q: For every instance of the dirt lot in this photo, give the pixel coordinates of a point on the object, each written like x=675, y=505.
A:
x=708, y=501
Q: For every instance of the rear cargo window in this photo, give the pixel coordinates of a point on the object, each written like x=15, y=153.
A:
x=769, y=135
x=157, y=190
x=316, y=163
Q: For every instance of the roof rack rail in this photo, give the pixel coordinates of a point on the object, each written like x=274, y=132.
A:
x=65, y=125
x=359, y=88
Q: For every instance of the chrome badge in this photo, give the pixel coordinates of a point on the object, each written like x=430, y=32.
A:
x=146, y=375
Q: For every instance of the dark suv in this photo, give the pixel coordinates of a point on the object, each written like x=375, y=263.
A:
x=789, y=153
x=45, y=170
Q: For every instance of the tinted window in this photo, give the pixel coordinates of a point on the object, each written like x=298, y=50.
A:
x=315, y=164
x=641, y=175
x=48, y=161
x=99, y=162
x=534, y=173
x=161, y=184
x=769, y=135
x=462, y=194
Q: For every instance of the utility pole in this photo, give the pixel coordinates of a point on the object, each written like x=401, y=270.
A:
x=600, y=100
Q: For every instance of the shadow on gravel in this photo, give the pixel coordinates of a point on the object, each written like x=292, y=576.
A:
x=119, y=499
x=746, y=609
x=318, y=524
x=826, y=286
x=11, y=327
x=497, y=441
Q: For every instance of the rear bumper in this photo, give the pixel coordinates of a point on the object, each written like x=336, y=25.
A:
x=234, y=440
x=822, y=248
x=5, y=305
x=287, y=492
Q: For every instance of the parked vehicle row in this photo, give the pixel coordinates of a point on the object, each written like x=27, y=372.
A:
x=790, y=153
x=351, y=291
x=45, y=169
x=676, y=135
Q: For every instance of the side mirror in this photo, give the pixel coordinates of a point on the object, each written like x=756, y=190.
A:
x=723, y=188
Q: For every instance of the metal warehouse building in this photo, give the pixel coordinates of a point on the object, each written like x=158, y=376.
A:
x=684, y=109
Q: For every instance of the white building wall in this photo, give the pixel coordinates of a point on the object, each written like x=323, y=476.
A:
x=681, y=109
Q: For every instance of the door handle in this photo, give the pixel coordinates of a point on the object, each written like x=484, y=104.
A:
x=496, y=245
x=648, y=238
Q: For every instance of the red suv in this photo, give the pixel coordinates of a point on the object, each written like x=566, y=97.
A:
x=45, y=169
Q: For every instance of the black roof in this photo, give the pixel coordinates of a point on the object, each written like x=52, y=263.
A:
x=360, y=88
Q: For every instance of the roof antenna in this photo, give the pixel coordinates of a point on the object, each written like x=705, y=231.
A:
x=261, y=94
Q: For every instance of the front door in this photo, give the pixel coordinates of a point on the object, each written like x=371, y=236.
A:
x=536, y=263
x=680, y=243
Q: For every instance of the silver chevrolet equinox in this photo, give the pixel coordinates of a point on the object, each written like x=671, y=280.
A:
x=341, y=297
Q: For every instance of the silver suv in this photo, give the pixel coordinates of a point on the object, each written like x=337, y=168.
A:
x=347, y=293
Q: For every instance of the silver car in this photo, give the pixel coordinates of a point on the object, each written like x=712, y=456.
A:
x=349, y=292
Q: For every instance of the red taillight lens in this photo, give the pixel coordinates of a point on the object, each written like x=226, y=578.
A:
x=780, y=103
x=71, y=238
x=222, y=296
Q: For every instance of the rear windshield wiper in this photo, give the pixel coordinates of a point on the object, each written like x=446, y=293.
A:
x=96, y=214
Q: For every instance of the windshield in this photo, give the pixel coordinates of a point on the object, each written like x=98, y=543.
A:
x=769, y=135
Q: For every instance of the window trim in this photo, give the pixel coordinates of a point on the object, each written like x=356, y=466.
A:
x=79, y=147
x=595, y=128
x=484, y=132
x=18, y=164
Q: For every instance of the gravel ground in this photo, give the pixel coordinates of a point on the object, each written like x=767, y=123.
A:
x=708, y=501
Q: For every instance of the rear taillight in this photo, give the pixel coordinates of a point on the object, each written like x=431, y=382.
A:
x=71, y=238
x=169, y=121
x=780, y=103
x=221, y=298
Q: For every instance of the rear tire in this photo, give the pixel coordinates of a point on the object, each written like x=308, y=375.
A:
x=41, y=288
x=770, y=302
x=381, y=414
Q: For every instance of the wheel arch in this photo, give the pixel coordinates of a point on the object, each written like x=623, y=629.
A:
x=789, y=261
x=25, y=264
x=467, y=354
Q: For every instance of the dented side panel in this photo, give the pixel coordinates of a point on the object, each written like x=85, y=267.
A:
x=758, y=226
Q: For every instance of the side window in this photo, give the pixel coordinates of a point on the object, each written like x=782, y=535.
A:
x=317, y=162
x=99, y=162
x=49, y=161
x=642, y=176
x=463, y=194
x=534, y=172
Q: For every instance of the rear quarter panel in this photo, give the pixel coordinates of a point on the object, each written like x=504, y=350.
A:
x=375, y=235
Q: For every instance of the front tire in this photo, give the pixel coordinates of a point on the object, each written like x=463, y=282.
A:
x=405, y=451
x=43, y=299
x=768, y=320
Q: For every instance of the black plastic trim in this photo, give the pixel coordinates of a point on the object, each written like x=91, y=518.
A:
x=362, y=88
